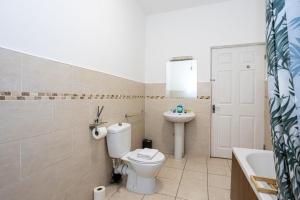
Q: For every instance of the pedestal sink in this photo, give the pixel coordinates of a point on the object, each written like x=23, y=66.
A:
x=179, y=119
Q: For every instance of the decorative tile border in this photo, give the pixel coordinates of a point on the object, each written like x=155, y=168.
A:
x=164, y=97
x=61, y=96
x=75, y=96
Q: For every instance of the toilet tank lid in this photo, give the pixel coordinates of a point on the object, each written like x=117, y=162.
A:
x=117, y=128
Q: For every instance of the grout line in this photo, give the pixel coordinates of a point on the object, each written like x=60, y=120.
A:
x=229, y=164
x=29, y=137
x=112, y=194
x=207, y=178
x=181, y=177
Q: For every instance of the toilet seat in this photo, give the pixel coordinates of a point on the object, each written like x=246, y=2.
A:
x=132, y=156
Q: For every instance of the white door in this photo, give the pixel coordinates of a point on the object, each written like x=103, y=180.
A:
x=238, y=97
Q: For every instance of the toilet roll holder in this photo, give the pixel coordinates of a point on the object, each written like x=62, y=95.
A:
x=98, y=121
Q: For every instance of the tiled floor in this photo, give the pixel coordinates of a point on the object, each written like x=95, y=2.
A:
x=193, y=178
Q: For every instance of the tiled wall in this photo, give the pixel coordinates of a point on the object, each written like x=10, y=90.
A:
x=46, y=150
x=197, y=132
x=197, y=137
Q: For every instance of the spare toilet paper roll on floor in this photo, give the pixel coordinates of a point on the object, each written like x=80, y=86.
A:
x=99, y=133
x=99, y=193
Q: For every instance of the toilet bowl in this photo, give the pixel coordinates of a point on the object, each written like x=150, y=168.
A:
x=141, y=172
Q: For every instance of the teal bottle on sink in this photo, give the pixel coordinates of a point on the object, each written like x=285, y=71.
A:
x=180, y=108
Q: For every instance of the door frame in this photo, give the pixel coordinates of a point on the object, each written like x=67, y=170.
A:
x=211, y=80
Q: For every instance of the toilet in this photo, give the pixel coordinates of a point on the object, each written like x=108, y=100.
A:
x=141, y=173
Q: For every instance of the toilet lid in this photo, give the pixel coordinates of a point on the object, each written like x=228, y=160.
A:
x=158, y=158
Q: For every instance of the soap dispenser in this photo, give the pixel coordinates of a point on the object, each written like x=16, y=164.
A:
x=180, y=108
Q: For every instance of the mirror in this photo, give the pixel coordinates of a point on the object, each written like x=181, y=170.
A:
x=181, y=79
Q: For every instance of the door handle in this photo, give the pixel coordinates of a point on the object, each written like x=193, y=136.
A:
x=215, y=108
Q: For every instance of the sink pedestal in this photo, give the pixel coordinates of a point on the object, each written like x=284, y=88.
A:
x=179, y=141
x=179, y=119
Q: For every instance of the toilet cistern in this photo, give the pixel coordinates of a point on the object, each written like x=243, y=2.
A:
x=179, y=119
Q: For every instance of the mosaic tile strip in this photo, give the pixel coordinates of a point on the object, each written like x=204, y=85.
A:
x=62, y=96
x=74, y=96
x=164, y=97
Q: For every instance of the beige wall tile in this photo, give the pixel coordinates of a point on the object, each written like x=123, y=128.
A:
x=88, y=81
x=9, y=163
x=155, y=89
x=42, y=75
x=40, y=152
x=72, y=177
x=197, y=140
x=59, y=158
x=10, y=70
x=204, y=89
x=69, y=173
x=71, y=113
x=82, y=140
x=85, y=80
x=23, y=119
x=100, y=160
x=41, y=185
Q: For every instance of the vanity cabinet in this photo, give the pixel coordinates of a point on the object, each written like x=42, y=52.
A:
x=240, y=187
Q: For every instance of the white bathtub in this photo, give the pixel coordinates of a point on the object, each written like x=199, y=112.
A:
x=258, y=163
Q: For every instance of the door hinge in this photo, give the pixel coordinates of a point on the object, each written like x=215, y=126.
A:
x=213, y=108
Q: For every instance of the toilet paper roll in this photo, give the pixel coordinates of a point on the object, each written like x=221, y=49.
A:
x=99, y=193
x=99, y=133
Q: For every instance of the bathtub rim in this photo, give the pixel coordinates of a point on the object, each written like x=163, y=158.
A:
x=241, y=156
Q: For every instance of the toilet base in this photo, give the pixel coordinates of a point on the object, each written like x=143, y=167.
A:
x=140, y=184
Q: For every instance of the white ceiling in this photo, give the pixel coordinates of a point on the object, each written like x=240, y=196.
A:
x=159, y=6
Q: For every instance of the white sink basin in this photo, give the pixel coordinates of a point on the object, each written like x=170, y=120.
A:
x=179, y=117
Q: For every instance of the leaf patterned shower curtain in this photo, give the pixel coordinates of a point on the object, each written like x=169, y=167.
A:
x=283, y=53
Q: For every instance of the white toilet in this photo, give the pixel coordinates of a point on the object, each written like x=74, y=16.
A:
x=141, y=172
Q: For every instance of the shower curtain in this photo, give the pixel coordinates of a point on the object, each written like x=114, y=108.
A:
x=283, y=54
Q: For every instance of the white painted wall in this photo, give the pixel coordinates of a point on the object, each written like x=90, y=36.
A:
x=192, y=32
x=104, y=35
